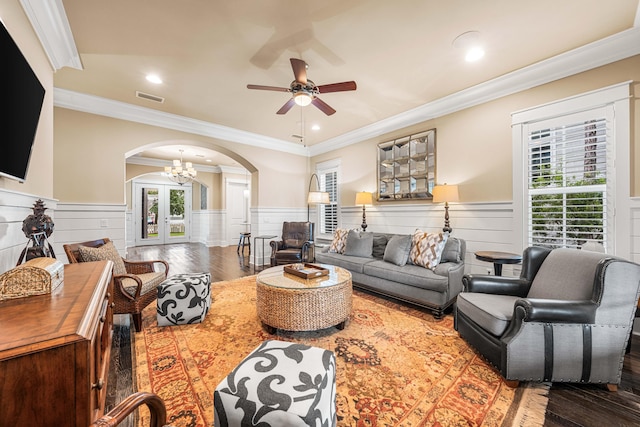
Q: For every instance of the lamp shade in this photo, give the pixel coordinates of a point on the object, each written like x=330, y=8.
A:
x=364, y=198
x=445, y=193
x=318, y=197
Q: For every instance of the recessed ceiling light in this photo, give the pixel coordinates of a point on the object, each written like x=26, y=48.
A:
x=208, y=160
x=154, y=78
x=315, y=127
x=474, y=53
x=472, y=45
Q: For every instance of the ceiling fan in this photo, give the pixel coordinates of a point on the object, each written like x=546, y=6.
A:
x=305, y=91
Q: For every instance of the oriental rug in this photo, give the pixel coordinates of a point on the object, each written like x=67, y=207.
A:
x=396, y=365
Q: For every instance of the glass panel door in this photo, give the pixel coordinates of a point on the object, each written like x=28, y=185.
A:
x=162, y=213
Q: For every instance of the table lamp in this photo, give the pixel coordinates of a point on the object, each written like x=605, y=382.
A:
x=364, y=198
x=445, y=193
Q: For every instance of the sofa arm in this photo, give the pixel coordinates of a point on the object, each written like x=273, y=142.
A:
x=454, y=271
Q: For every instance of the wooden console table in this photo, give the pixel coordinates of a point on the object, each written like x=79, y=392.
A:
x=54, y=351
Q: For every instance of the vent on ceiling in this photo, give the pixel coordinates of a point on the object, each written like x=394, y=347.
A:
x=149, y=97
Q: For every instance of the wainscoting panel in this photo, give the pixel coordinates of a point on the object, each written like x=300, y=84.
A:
x=484, y=226
x=268, y=221
x=14, y=208
x=635, y=229
x=76, y=222
x=208, y=227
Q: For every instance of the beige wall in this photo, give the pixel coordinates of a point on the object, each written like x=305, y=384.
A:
x=474, y=145
x=39, y=175
x=90, y=152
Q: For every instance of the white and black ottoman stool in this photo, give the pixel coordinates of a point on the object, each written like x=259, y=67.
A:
x=183, y=299
x=279, y=384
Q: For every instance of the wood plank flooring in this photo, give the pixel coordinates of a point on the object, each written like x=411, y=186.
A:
x=570, y=405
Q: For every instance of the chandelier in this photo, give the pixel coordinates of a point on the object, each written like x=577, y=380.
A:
x=179, y=173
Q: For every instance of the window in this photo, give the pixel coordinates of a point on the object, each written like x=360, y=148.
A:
x=567, y=176
x=328, y=175
x=572, y=171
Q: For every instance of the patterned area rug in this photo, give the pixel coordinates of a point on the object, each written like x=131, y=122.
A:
x=396, y=365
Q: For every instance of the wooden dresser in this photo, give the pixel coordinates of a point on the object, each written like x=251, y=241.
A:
x=54, y=351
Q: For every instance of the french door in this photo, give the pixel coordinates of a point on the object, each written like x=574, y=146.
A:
x=162, y=213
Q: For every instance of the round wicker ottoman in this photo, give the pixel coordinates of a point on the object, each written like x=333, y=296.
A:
x=291, y=303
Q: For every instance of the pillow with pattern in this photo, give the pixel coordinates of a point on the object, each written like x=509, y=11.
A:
x=339, y=243
x=104, y=252
x=426, y=248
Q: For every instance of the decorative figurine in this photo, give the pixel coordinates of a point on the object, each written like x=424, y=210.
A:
x=37, y=227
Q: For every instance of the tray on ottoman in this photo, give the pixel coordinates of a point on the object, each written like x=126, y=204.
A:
x=306, y=270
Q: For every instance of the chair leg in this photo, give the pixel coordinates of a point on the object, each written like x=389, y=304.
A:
x=137, y=321
x=612, y=387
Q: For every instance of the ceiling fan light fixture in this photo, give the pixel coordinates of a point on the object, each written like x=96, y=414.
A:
x=302, y=98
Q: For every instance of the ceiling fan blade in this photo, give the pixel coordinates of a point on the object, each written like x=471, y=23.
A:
x=299, y=70
x=323, y=106
x=286, y=107
x=337, y=87
x=274, y=88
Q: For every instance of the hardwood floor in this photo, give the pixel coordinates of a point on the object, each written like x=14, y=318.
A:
x=570, y=405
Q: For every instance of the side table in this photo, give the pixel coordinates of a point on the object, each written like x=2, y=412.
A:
x=255, y=248
x=498, y=259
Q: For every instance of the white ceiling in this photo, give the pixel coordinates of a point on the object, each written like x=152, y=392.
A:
x=400, y=53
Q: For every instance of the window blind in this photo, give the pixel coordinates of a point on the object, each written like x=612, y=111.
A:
x=567, y=183
x=329, y=213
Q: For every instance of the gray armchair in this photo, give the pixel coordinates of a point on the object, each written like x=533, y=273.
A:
x=296, y=244
x=567, y=318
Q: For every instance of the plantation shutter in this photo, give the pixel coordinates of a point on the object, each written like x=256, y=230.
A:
x=329, y=213
x=568, y=180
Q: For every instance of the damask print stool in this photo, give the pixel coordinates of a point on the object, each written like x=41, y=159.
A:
x=184, y=299
x=279, y=384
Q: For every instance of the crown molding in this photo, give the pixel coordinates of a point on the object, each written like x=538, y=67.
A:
x=120, y=110
x=602, y=52
x=49, y=21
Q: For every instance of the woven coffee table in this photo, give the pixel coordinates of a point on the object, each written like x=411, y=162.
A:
x=291, y=303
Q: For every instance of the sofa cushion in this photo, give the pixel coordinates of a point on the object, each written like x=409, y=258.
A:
x=492, y=312
x=397, y=250
x=426, y=248
x=352, y=263
x=339, y=241
x=359, y=244
x=379, y=245
x=452, y=251
x=407, y=274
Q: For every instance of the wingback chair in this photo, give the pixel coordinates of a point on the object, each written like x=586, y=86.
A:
x=567, y=318
x=134, y=282
x=296, y=244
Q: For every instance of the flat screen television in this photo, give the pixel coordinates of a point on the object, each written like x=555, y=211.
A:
x=22, y=95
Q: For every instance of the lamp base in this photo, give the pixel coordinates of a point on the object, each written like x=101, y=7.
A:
x=446, y=228
x=364, y=220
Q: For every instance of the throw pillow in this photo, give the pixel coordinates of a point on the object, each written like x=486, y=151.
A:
x=103, y=253
x=339, y=241
x=397, y=250
x=426, y=248
x=379, y=245
x=451, y=251
x=359, y=244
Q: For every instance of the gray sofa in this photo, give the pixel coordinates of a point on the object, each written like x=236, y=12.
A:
x=381, y=270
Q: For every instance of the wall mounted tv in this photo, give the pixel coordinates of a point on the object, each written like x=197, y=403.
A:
x=22, y=95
